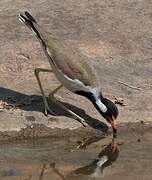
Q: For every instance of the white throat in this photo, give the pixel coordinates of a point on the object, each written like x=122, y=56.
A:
x=102, y=107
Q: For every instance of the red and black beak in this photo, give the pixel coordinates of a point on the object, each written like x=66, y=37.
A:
x=113, y=124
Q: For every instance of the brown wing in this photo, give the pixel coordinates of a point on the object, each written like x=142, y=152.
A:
x=71, y=63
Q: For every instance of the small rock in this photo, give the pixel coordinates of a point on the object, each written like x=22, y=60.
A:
x=120, y=101
x=142, y=122
x=138, y=140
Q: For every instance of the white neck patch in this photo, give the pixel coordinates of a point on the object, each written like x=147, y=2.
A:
x=95, y=91
x=101, y=106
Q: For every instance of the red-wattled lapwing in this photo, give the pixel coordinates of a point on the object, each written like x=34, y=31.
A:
x=72, y=70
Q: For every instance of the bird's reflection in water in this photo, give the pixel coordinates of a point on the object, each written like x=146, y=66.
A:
x=95, y=169
x=105, y=158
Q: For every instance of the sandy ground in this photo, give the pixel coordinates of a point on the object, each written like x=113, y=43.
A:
x=114, y=35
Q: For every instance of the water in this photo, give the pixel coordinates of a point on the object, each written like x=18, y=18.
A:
x=61, y=159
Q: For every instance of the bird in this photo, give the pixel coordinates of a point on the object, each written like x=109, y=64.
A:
x=73, y=70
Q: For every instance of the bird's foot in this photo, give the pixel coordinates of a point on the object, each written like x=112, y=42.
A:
x=48, y=110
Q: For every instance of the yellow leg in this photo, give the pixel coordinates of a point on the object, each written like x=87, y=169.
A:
x=52, y=97
x=46, y=106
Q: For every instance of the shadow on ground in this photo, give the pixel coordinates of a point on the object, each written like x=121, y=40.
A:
x=25, y=102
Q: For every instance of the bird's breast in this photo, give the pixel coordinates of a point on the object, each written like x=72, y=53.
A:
x=71, y=84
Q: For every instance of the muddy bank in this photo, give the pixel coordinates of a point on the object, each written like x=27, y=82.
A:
x=37, y=131
x=41, y=131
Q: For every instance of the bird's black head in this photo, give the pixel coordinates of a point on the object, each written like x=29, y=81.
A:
x=112, y=109
x=104, y=106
